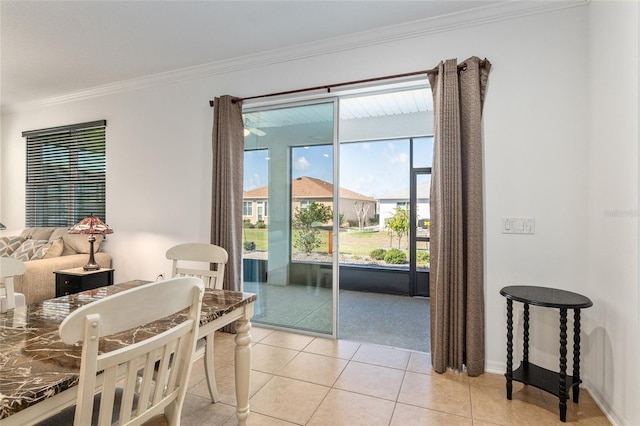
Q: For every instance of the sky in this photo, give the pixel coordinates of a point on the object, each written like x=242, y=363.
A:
x=369, y=168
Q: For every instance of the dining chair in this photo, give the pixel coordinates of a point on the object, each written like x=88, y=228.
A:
x=148, y=379
x=207, y=262
x=10, y=268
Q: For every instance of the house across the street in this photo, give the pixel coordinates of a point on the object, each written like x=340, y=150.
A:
x=305, y=191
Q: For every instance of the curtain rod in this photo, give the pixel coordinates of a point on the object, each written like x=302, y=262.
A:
x=328, y=87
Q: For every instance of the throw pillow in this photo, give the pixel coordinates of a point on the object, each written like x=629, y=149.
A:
x=26, y=250
x=42, y=251
x=49, y=249
x=57, y=247
x=9, y=244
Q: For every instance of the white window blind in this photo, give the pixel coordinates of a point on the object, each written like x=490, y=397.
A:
x=66, y=174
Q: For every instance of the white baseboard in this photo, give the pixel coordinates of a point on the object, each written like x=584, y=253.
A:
x=612, y=415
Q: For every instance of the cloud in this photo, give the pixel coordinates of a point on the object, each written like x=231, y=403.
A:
x=254, y=182
x=402, y=158
x=302, y=164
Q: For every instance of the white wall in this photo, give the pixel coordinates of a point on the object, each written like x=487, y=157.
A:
x=539, y=162
x=612, y=326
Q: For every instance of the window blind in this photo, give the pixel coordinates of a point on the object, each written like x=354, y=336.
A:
x=66, y=174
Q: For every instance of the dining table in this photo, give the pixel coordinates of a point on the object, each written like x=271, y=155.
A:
x=39, y=373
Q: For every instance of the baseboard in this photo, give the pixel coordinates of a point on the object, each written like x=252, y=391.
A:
x=612, y=415
x=495, y=367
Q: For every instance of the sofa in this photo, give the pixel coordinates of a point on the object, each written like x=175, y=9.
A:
x=44, y=251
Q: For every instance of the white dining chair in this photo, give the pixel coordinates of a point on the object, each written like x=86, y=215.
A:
x=207, y=262
x=152, y=375
x=10, y=268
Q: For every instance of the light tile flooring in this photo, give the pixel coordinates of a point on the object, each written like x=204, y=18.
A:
x=304, y=380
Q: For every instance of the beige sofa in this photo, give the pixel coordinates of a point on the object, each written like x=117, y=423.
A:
x=44, y=251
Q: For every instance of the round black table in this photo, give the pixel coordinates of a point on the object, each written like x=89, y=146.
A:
x=557, y=383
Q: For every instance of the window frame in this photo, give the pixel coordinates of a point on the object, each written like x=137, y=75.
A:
x=65, y=178
x=248, y=207
x=304, y=204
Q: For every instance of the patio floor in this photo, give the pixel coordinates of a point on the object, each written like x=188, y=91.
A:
x=390, y=320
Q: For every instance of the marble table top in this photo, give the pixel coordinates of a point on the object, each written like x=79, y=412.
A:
x=35, y=364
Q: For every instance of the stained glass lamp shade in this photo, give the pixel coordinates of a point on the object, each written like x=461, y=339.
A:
x=92, y=226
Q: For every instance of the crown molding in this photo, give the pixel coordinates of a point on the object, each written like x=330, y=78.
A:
x=479, y=16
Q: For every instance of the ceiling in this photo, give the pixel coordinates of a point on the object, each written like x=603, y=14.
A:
x=53, y=48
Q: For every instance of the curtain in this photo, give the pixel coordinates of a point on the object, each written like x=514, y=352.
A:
x=456, y=275
x=227, y=187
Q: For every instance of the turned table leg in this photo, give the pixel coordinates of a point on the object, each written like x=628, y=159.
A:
x=509, y=374
x=576, y=354
x=243, y=369
x=525, y=335
x=563, y=365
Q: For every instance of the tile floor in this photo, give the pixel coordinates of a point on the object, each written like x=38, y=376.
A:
x=304, y=380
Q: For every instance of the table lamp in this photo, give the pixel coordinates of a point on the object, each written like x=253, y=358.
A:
x=91, y=226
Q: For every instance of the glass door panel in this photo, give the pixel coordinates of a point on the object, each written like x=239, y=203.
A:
x=420, y=255
x=288, y=254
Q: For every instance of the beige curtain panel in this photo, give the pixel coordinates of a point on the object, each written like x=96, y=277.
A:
x=226, y=198
x=456, y=276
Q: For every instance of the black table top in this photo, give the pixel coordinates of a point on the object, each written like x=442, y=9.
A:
x=545, y=296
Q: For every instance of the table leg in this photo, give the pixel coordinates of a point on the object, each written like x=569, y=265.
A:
x=509, y=374
x=576, y=354
x=525, y=336
x=243, y=369
x=563, y=365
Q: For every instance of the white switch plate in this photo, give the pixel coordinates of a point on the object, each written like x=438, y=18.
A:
x=519, y=225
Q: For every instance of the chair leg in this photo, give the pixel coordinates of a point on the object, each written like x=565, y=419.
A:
x=209, y=368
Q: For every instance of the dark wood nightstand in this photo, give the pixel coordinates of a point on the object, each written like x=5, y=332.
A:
x=69, y=281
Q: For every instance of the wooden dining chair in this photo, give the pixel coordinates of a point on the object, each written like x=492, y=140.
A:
x=9, y=268
x=202, y=260
x=207, y=262
x=153, y=373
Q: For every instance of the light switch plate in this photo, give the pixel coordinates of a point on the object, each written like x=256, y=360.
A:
x=521, y=225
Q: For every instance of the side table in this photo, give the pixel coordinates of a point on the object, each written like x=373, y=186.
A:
x=556, y=383
x=69, y=281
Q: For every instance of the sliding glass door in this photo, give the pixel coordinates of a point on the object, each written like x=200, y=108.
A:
x=290, y=215
x=297, y=209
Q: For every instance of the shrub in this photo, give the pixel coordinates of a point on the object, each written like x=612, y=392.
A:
x=261, y=225
x=249, y=245
x=423, y=258
x=247, y=224
x=395, y=256
x=377, y=254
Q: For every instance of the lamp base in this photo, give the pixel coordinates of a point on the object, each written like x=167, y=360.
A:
x=91, y=264
x=91, y=267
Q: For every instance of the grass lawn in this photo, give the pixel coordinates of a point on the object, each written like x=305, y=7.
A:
x=258, y=236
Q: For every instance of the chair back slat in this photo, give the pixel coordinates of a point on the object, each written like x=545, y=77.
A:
x=162, y=361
